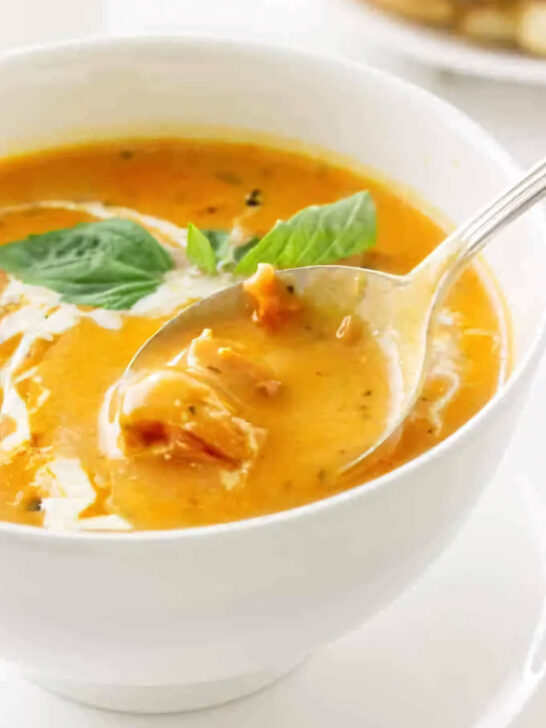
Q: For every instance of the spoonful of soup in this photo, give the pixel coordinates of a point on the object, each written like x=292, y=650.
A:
x=334, y=349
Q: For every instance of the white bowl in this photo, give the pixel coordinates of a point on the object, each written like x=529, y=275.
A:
x=181, y=619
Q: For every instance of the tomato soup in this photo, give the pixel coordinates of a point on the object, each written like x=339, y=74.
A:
x=295, y=403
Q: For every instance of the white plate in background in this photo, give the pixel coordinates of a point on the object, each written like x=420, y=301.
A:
x=464, y=648
x=436, y=47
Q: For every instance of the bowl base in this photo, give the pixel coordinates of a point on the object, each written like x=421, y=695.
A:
x=163, y=698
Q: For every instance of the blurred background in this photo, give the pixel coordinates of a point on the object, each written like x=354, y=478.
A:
x=503, y=89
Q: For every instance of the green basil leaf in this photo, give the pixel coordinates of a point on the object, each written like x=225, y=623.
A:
x=219, y=241
x=200, y=251
x=108, y=264
x=241, y=250
x=228, y=255
x=317, y=235
x=224, y=251
x=212, y=251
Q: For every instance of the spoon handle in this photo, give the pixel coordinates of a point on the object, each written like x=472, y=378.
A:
x=475, y=234
x=471, y=237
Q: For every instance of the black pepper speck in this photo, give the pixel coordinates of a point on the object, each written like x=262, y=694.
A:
x=254, y=198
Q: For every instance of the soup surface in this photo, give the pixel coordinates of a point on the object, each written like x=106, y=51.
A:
x=298, y=402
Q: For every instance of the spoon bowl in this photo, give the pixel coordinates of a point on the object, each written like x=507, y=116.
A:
x=398, y=311
x=387, y=305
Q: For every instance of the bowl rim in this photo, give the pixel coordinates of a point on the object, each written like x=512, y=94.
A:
x=452, y=116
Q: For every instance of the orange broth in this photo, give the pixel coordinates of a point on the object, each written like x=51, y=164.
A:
x=211, y=184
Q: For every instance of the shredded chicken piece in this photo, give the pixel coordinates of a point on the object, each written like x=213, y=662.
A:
x=168, y=412
x=272, y=302
x=228, y=369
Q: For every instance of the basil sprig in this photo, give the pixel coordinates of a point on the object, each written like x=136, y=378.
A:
x=114, y=263
x=317, y=235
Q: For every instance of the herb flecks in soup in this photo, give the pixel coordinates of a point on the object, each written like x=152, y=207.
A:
x=245, y=419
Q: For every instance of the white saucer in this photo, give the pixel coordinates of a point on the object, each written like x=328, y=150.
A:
x=439, y=49
x=465, y=648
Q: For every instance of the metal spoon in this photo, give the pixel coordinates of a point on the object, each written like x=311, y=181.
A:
x=398, y=310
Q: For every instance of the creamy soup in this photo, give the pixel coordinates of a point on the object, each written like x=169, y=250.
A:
x=240, y=420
